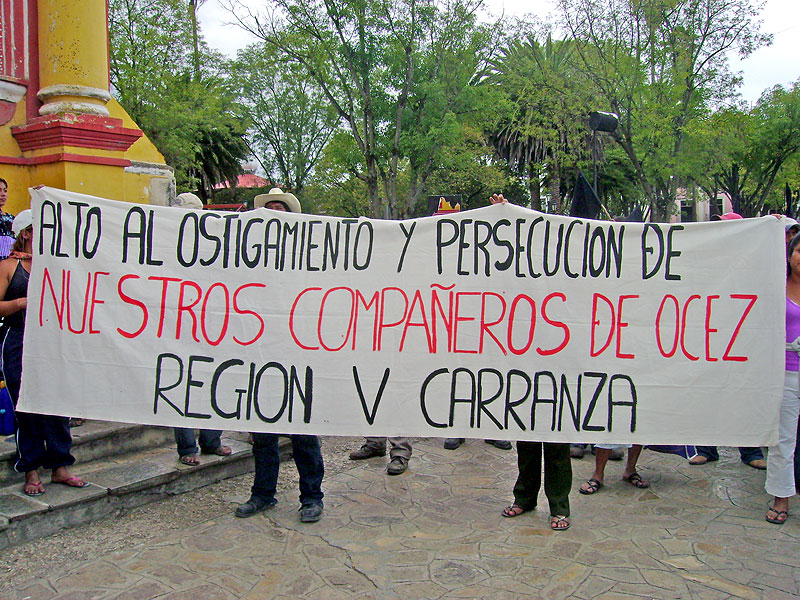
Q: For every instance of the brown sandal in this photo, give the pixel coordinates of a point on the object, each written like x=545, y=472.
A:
x=219, y=451
x=189, y=460
x=514, y=510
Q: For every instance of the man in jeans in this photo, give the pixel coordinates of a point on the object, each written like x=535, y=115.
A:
x=305, y=448
x=308, y=458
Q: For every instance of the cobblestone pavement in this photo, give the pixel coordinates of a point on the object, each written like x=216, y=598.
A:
x=436, y=532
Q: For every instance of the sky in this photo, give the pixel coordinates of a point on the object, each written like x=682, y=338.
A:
x=776, y=64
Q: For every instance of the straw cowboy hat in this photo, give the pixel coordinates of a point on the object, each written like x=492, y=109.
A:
x=188, y=200
x=289, y=200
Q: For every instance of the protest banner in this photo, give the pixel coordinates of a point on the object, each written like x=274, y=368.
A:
x=499, y=322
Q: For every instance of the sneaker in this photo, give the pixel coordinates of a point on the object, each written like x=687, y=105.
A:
x=758, y=463
x=397, y=465
x=577, y=450
x=698, y=459
x=367, y=451
x=311, y=512
x=453, y=443
x=253, y=506
x=502, y=444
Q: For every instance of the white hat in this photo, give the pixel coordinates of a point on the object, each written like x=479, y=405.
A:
x=21, y=222
x=278, y=195
x=188, y=200
x=788, y=222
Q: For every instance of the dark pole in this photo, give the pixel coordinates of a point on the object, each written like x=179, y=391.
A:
x=600, y=121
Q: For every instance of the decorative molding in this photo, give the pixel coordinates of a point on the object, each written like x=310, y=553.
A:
x=65, y=157
x=150, y=168
x=52, y=107
x=11, y=92
x=86, y=131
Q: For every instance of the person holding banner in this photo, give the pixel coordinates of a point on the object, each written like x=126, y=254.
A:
x=557, y=471
x=210, y=439
x=6, y=219
x=42, y=440
x=305, y=448
x=780, y=482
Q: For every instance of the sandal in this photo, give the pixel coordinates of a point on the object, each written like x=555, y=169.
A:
x=780, y=516
x=636, y=481
x=218, y=451
x=514, y=510
x=34, y=488
x=190, y=460
x=73, y=481
x=593, y=484
x=559, y=522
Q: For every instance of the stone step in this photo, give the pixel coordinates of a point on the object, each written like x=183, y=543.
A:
x=117, y=483
x=92, y=441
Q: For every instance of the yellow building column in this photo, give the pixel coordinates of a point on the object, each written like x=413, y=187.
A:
x=73, y=57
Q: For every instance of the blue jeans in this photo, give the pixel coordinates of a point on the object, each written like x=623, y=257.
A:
x=307, y=457
x=747, y=453
x=187, y=444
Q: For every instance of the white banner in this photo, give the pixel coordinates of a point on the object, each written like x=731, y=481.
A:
x=498, y=323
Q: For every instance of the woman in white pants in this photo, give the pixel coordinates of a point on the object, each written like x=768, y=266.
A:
x=780, y=462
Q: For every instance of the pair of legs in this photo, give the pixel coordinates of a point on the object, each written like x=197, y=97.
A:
x=42, y=440
x=307, y=456
x=399, y=453
x=210, y=443
x=780, y=481
x=557, y=481
x=602, y=454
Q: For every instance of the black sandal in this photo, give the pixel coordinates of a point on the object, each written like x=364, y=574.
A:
x=593, y=484
x=636, y=481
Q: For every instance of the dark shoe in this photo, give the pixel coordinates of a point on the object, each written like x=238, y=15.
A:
x=453, y=443
x=310, y=513
x=397, y=465
x=502, y=444
x=253, y=506
x=367, y=451
x=576, y=451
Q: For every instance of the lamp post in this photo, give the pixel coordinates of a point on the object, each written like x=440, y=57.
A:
x=600, y=121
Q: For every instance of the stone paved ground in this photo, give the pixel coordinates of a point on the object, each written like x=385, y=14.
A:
x=436, y=532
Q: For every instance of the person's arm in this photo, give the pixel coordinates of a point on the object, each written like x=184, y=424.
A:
x=9, y=307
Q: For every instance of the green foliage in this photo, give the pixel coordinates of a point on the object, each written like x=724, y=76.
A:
x=290, y=118
x=191, y=115
x=742, y=152
x=660, y=64
x=397, y=73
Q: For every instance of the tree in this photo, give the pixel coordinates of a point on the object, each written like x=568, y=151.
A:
x=393, y=71
x=659, y=64
x=544, y=130
x=290, y=118
x=186, y=109
x=741, y=152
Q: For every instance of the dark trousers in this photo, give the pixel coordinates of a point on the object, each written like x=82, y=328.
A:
x=307, y=457
x=557, y=475
x=42, y=440
x=747, y=453
x=187, y=443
